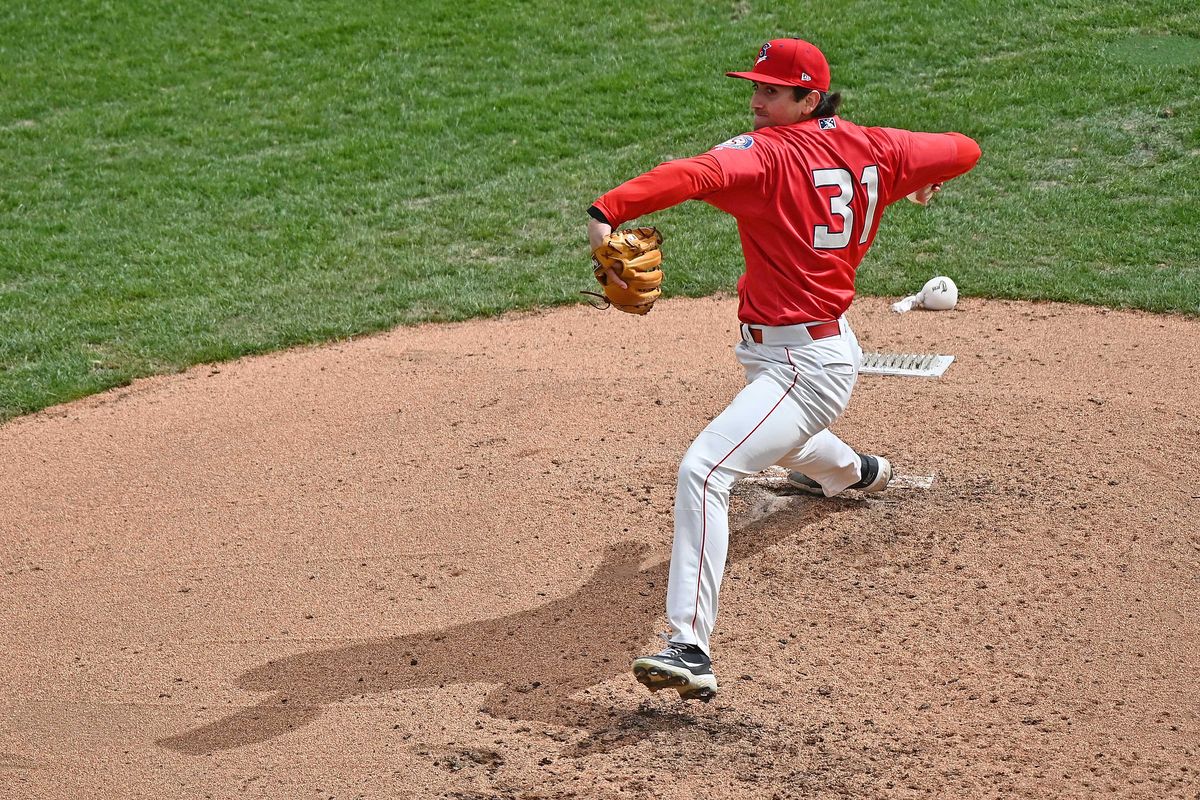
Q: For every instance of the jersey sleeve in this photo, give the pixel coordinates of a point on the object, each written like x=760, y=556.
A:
x=743, y=160
x=735, y=163
x=924, y=158
x=668, y=184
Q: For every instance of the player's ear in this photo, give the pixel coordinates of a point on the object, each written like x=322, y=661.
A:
x=808, y=100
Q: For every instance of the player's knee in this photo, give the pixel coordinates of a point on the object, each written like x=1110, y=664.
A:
x=702, y=471
x=695, y=468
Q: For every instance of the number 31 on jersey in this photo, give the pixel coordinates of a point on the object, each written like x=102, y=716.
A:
x=839, y=205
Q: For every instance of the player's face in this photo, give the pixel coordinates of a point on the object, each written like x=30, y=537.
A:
x=776, y=105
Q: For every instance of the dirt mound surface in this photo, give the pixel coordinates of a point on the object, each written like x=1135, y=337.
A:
x=418, y=564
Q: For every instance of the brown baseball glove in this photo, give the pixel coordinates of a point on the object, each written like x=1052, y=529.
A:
x=634, y=255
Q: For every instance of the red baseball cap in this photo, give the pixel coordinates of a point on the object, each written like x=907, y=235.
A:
x=789, y=62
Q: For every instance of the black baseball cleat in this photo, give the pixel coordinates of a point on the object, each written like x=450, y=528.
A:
x=876, y=475
x=805, y=484
x=684, y=667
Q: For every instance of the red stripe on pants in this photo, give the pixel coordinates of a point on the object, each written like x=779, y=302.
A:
x=704, y=494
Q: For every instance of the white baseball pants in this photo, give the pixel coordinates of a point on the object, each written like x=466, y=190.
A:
x=793, y=393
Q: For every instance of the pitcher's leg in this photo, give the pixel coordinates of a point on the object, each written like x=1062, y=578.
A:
x=827, y=460
x=758, y=428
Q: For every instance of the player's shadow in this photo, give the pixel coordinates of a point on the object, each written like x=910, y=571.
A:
x=537, y=659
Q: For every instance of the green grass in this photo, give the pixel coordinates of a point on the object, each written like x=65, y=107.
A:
x=187, y=182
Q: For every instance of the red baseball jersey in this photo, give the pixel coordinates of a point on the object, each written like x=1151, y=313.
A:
x=807, y=198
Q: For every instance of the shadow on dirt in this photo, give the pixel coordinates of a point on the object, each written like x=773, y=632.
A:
x=538, y=658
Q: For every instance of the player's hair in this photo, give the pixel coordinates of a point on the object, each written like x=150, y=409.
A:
x=827, y=106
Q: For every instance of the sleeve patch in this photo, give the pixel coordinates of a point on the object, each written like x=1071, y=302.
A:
x=743, y=142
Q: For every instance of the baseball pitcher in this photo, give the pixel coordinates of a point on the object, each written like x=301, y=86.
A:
x=808, y=190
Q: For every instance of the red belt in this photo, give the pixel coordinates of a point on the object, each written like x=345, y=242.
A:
x=821, y=330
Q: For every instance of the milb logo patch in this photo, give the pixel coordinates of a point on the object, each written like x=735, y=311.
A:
x=742, y=142
x=827, y=123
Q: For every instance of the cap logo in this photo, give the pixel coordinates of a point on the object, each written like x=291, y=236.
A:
x=804, y=76
x=762, y=54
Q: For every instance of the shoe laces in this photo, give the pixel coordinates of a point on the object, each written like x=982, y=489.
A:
x=673, y=649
